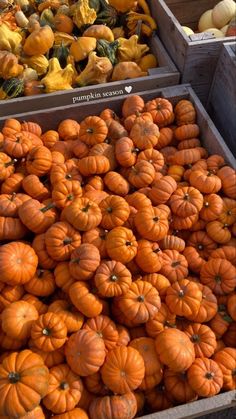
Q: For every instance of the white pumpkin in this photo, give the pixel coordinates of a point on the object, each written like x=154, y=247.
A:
x=224, y=29
x=205, y=21
x=187, y=30
x=223, y=12
x=215, y=32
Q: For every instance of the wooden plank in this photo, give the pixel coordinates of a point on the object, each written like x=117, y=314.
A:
x=49, y=119
x=196, y=60
x=197, y=409
x=166, y=74
x=222, y=98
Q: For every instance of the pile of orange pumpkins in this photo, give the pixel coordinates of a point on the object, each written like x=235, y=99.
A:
x=117, y=265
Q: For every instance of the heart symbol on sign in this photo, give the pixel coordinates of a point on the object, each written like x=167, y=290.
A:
x=128, y=89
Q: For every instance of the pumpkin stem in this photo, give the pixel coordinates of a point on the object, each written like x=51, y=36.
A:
x=109, y=209
x=128, y=243
x=175, y=263
x=209, y=375
x=40, y=273
x=155, y=219
x=48, y=207
x=113, y=278
x=68, y=176
x=75, y=260
x=64, y=385
x=13, y=377
x=103, y=235
x=206, y=204
x=10, y=163
x=181, y=293
x=141, y=298
x=218, y=279
x=70, y=197
x=13, y=196
x=195, y=338
x=67, y=240
x=46, y=332
x=200, y=247
x=135, y=150
x=89, y=130
x=85, y=209
x=186, y=197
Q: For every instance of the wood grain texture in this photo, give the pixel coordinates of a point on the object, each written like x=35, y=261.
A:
x=166, y=74
x=199, y=408
x=196, y=60
x=222, y=99
x=211, y=138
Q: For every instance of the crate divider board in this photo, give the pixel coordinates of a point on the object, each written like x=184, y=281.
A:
x=222, y=98
x=211, y=138
x=196, y=60
x=166, y=74
x=197, y=409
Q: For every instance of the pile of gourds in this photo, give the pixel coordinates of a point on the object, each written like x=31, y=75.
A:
x=220, y=21
x=117, y=265
x=52, y=45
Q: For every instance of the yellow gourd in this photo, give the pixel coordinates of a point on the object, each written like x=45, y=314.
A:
x=215, y=32
x=39, y=41
x=98, y=70
x=9, y=40
x=147, y=62
x=127, y=70
x=223, y=12
x=130, y=49
x=63, y=38
x=58, y=78
x=29, y=75
x=38, y=62
x=99, y=32
x=81, y=48
x=9, y=66
x=187, y=30
x=83, y=14
x=118, y=32
x=205, y=21
x=123, y=5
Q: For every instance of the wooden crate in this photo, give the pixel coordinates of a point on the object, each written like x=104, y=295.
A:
x=196, y=60
x=166, y=74
x=211, y=139
x=222, y=99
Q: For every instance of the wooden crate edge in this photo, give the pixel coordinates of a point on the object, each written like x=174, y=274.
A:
x=174, y=93
x=198, y=408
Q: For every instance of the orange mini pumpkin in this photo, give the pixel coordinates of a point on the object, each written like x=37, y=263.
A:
x=85, y=352
x=93, y=130
x=161, y=111
x=121, y=244
x=175, y=349
x=205, y=377
x=140, y=302
x=112, y=278
x=123, y=369
x=183, y=298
